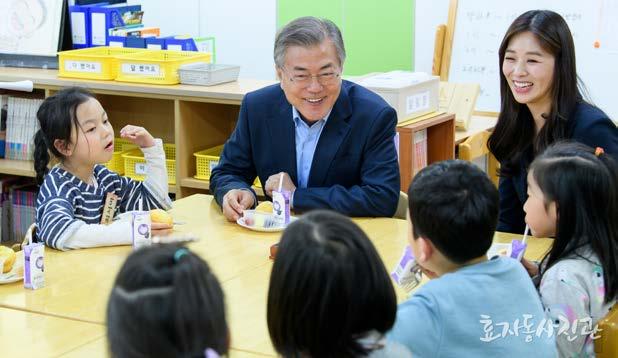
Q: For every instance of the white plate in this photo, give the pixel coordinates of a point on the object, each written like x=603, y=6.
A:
x=16, y=273
x=499, y=249
x=241, y=222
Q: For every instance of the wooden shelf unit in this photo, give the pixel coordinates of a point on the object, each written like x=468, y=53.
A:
x=192, y=117
x=440, y=144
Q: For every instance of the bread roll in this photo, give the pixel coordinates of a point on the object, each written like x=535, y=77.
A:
x=9, y=258
x=265, y=207
x=161, y=216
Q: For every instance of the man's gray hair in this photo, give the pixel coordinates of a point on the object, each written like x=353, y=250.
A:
x=307, y=31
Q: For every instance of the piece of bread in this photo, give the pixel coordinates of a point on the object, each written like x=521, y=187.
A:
x=265, y=207
x=161, y=216
x=9, y=256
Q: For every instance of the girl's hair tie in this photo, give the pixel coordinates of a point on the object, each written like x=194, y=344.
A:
x=598, y=151
x=180, y=253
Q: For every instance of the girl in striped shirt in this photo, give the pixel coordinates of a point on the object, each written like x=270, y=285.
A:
x=75, y=129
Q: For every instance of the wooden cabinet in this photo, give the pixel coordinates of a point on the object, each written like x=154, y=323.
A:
x=440, y=144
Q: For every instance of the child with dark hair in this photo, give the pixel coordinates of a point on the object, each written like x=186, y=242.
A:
x=75, y=129
x=462, y=311
x=166, y=302
x=329, y=294
x=573, y=196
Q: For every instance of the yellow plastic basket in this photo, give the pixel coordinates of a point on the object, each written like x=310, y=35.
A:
x=95, y=63
x=135, y=164
x=116, y=164
x=123, y=144
x=156, y=66
x=207, y=160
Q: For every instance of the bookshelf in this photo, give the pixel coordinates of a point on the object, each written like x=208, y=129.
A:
x=196, y=117
x=440, y=144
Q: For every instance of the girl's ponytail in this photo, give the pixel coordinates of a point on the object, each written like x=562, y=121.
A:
x=41, y=156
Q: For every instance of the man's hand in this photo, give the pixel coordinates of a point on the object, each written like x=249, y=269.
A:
x=272, y=183
x=235, y=201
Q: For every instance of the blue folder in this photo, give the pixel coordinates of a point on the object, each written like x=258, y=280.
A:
x=102, y=18
x=80, y=24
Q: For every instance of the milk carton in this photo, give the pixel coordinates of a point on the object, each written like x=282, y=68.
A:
x=141, y=225
x=281, y=206
x=34, y=277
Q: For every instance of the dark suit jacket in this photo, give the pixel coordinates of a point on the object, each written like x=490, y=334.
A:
x=354, y=170
x=587, y=125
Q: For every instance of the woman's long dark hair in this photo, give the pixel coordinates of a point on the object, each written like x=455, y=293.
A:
x=514, y=132
x=57, y=117
x=585, y=189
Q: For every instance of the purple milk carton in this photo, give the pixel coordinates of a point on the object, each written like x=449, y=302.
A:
x=408, y=274
x=34, y=277
x=281, y=207
x=141, y=229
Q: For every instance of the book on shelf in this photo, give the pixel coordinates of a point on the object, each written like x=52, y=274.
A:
x=420, y=151
x=13, y=217
x=21, y=126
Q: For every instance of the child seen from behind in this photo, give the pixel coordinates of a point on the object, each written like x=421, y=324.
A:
x=461, y=312
x=166, y=302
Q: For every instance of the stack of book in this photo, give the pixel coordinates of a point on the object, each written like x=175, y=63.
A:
x=21, y=126
x=17, y=204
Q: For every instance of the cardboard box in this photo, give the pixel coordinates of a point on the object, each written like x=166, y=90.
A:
x=412, y=94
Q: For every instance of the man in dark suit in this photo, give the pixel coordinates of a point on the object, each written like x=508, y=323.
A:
x=328, y=141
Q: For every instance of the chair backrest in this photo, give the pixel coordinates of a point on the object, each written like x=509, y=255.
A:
x=402, y=206
x=476, y=146
x=606, y=345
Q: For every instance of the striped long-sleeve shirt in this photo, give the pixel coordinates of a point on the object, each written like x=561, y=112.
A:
x=67, y=207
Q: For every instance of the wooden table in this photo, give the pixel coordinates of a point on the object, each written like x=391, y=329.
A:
x=27, y=334
x=78, y=282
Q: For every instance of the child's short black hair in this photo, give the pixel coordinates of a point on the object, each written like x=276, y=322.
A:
x=328, y=286
x=166, y=303
x=455, y=206
x=57, y=116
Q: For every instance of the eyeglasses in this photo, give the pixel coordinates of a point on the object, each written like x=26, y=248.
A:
x=324, y=79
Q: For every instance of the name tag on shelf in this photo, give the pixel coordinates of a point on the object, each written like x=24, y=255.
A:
x=82, y=66
x=142, y=69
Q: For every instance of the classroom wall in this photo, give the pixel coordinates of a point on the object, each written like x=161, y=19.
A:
x=429, y=14
x=244, y=29
x=378, y=34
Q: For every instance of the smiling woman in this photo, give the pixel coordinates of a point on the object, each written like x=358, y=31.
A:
x=541, y=103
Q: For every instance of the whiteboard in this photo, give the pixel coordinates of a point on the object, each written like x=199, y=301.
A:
x=30, y=27
x=480, y=26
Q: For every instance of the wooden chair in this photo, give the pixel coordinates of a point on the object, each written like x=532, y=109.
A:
x=606, y=346
x=402, y=206
x=476, y=146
